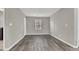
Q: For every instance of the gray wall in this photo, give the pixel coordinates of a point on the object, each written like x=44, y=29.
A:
x=14, y=26
x=1, y=19
x=30, y=25
x=62, y=25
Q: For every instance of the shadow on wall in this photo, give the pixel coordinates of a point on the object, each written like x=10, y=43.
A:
x=1, y=33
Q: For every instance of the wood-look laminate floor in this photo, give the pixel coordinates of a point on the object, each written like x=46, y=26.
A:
x=1, y=45
x=42, y=43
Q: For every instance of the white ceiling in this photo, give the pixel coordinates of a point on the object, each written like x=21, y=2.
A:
x=39, y=11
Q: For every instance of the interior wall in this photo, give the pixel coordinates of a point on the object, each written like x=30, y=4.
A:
x=30, y=25
x=14, y=27
x=1, y=25
x=1, y=19
x=62, y=25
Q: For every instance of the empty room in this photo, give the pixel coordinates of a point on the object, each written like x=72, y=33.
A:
x=41, y=29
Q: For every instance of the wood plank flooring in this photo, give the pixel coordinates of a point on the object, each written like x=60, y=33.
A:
x=42, y=43
x=1, y=45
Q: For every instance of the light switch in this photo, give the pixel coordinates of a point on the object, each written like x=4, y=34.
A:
x=10, y=24
x=66, y=25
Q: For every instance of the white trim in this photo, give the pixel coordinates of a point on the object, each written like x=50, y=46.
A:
x=7, y=49
x=78, y=26
x=4, y=30
x=24, y=26
x=65, y=42
x=37, y=33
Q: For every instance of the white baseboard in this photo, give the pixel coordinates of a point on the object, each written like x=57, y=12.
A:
x=37, y=33
x=65, y=41
x=7, y=49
